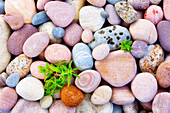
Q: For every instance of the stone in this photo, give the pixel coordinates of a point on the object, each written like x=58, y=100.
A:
x=167, y=58
x=144, y=30
x=131, y=108
x=3, y=77
x=13, y=80
x=95, y=22
x=20, y=64
x=2, y=7
x=117, y=109
x=104, y=14
x=155, y=2
x=139, y=4
x=57, y=9
x=152, y=59
x=113, y=36
x=98, y=3
x=41, y=4
x=144, y=87
x=73, y=34
x=126, y=12
x=40, y=18
x=46, y=102
x=41, y=56
x=166, y=9
x=87, y=36
x=26, y=8
x=58, y=32
x=35, y=44
x=30, y=89
x=117, y=75
x=113, y=2
x=29, y=75
x=146, y=105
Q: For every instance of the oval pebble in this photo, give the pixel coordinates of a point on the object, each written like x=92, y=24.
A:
x=104, y=14
x=139, y=4
x=13, y=80
x=2, y=7
x=3, y=77
x=87, y=36
x=144, y=87
x=98, y=3
x=46, y=102
x=131, y=108
x=155, y=2
x=58, y=32
x=40, y=18
x=166, y=9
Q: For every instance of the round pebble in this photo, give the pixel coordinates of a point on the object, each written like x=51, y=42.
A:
x=155, y=2
x=46, y=102
x=40, y=18
x=2, y=7
x=13, y=80
x=87, y=36
x=3, y=77
x=166, y=9
x=104, y=14
x=58, y=32
x=131, y=108
x=139, y=4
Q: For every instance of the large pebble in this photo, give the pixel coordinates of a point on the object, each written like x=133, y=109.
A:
x=95, y=21
x=131, y=108
x=144, y=87
x=56, y=10
x=26, y=8
x=40, y=18
x=166, y=9
x=72, y=34
x=46, y=102
x=2, y=7
x=87, y=36
x=13, y=80
x=89, y=80
x=114, y=1
x=98, y=3
x=152, y=59
x=118, y=68
x=144, y=30
x=139, y=4
x=113, y=36
x=30, y=89
x=8, y=98
x=122, y=96
x=58, y=32
x=3, y=77
x=155, y=2
x=20, y=64
x=41, y=4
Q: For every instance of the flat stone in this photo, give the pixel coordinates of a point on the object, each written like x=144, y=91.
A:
x=40, y=18
x=13, y=80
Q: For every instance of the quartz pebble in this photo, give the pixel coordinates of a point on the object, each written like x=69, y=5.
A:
x=13, y=80
x=40, y=18
x=2, y=7
x=155, y=2
x=41, y=4
x=104, y=14
x=114, y=1
x=131, y=108
x=87, y=36
x=98, y=3
x=166, y=9
x=139, y=4
x=3, y=77
x=58, y=32
x=46, y=102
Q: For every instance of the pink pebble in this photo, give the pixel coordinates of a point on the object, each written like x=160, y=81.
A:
x=139, y=4
x=98, y=3
x=87, y=36
x=41, y=4
x=166, y=9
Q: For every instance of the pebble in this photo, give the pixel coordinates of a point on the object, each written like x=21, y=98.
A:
x=15, y=21
x=146, y=105
x=139, y=49
x=166, y=9
x=56, y=10
x=113, y=18
x=41, y=56
x=152, y=59
x=144, y=87
x=3, y=77
x=2, y=7
x=59, y=107
x=98, y=3
x=144, y=30
x=29, y=75
x=57, y=95
x=40, y=18
x=4, y=111
x=46, y=102
x=41, y=4
x=164, y=34
x=82, y=56
x=131, y=108
x=113, y=36
x=100, y=52
x=167, y=58
x=57, y=52
x=117, y=75
x=58, y=32
x=18, y=38
x=89, y=80
x=8, y=98
x=87, y=36
x=101, y=95
x=155, y=2
x=117, y=109
x=154, y=14
x=95, y=22
x=126, y=12
x=163, y=74
x=24, y=106
x=73, y=34
x=30, y=89
x=20, y=65
x=13, y=80
x=122, y=96
x=26, y=8
x=104, y=14
x=139, y=4
x=161, y=103
x=114, y=1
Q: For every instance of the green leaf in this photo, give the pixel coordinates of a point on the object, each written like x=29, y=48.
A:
x=126, y=46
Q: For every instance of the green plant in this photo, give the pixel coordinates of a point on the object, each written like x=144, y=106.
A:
x=126, y=46
x=57, y=76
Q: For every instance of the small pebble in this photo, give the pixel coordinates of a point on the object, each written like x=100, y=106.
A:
x=2, y=7
x=46, y=102
x=41, y=4
x=13, y=80
x=114, y=1
x=40, y=18
x=166, y=9
x=155, y=2
x=87, y=36
x=131, y=108
x=139, y=4
x=104, y=14
x=3, y=77
x=98, y=3
x=58, y=32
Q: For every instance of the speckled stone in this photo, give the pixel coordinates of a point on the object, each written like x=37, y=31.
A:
x=131, y=108
x=3, y=77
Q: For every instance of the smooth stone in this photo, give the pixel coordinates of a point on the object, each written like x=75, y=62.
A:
x=163, y=74
x=114, y=1
x=144, y=87
x=46, y=102
x=126, y=12
x=152, y=59
x=100, y=52
x=113, y=36
x=82, y=56
x=29, y=75
x=117, y=75
x=24, y=106
x=122, y=96
x=15, y=21
x=167, y=57
x=139, y=49
x=155, y=2
x=56, y=10
x=4, y=111
x=41, y=56
x=87, y=36
x=20, y=64
x=101, y=95
x=154, y=14
x=8, y=98
x=5, y=56
x=59, y=107
x=98, y=3
x=104, y=14
x=131, y=108
x=3, y=77
x=72, y=34
x=40, y=18
x=144, y=30
x=117, y=109
x=89, y=81
x=18, y=38
x=166, y=9
x=58, y=32
x=41, y=4
x=35, y=70
x=30, y=89
x=2, y=7
x=26, y=8
x=57, y=52
x=113, y=18
x=95, y=22
x=164, y=34
x=13, y=80
x=161, y=103
x=48, y=28
x=139, y=4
